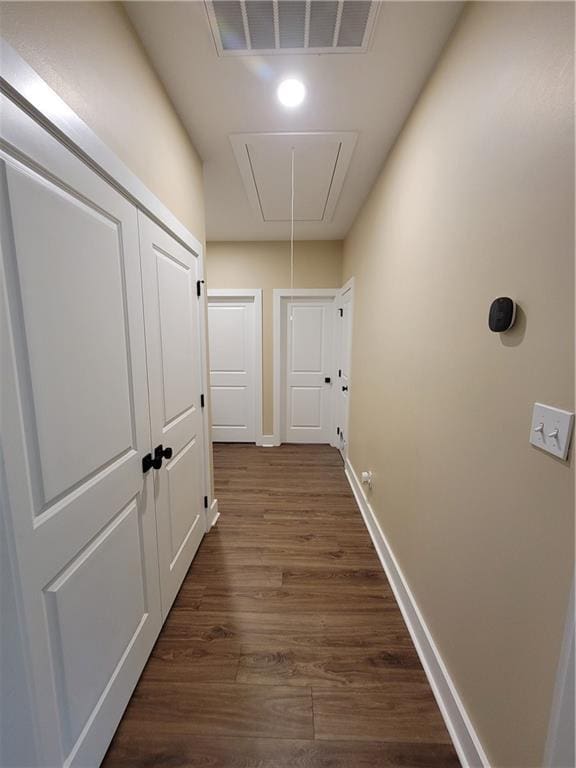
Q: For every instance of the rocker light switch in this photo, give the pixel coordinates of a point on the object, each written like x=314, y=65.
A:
x=551, y=429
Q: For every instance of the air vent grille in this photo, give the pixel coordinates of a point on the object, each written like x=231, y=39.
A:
x=244, y=27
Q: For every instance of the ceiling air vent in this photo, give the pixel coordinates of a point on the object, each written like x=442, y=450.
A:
x=250, y=27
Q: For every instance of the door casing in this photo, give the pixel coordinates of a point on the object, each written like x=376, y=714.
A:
x=343, y=345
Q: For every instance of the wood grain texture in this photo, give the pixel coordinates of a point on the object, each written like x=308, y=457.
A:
x=285, y=646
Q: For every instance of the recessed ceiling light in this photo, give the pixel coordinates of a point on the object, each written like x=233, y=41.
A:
x=291, y=93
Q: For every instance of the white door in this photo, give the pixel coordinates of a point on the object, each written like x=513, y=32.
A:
x=172, y=313
x=74, y=427
x=233, y=338
x=344, y=352
x=308, y=374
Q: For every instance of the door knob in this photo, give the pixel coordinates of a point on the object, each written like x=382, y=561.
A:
x=327, y=380
x=160, y=453
x=344, y=388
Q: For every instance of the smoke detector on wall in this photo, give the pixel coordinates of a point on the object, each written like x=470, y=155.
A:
x=251, y=27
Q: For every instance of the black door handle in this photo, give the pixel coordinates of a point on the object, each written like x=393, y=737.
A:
x=160, y=453
x=344, y=388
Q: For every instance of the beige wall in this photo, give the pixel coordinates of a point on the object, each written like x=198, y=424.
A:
x=266, y=265
x=89, y=54
x=476, y=201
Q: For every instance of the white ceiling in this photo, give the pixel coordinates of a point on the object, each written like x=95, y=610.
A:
x=216, y=97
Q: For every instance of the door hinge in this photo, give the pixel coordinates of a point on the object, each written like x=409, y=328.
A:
x=205, y=502
x=201, y=401
x=199, y=287
x=341, y=312
x=337, y=430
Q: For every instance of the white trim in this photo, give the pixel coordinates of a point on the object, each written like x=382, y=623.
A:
x=277, y=295
x=27, y=89
x=212, y=515
x=559, y=751
x=267, y=442
x=462, y=732
x=348, y=286
x=256, y=294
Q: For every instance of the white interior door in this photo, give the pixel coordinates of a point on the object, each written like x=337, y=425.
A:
x=308, y=375
x=344, y=347
x=74, y=426
x=233, y=338
x=169, y=273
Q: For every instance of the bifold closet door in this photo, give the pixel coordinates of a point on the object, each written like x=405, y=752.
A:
x=74, y=424
x=172, y=312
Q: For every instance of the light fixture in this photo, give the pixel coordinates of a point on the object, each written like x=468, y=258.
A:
x=291, y=92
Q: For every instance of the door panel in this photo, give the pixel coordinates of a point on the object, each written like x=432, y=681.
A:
x=169, y=274
x=178, y=326
x=307, y=407
x=94, y=609
x=74, y=425
x=68, y=391
x=232, y=334
x=308, y=327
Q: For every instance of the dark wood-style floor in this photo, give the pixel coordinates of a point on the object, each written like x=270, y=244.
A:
x=285, y=647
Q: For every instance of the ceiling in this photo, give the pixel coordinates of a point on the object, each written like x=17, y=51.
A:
x=356, y=104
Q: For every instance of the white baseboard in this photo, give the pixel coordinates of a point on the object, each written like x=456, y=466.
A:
x=466, y=741
x=212, y=515
x=267, y=441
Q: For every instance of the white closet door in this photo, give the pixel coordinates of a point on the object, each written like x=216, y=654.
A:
x=308, y=395
x=232, y=369
x=171, y=308
x=74, y=426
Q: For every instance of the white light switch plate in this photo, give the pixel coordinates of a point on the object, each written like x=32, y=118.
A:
x=545, y=421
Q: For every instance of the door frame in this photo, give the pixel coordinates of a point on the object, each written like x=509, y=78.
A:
x=286, y=293
x=256, y=295
x=347, y=287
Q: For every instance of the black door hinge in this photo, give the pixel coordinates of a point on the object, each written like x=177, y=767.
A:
x=341, y=312
x=205, y=502
x=199, y=287
x=201, y=401
x=337, y=430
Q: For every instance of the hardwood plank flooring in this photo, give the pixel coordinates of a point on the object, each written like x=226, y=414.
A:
x=285, y=647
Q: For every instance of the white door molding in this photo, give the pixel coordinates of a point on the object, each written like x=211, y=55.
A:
x=255, y=294
x=277, y=295
x=344, y=336
x=560, y=747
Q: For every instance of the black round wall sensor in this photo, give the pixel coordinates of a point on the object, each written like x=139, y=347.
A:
x=502, y=314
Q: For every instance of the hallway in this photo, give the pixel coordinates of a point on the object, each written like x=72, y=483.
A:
x=285, y=647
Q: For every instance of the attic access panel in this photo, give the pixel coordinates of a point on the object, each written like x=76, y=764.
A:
x=251, y=27
x=321, y=161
